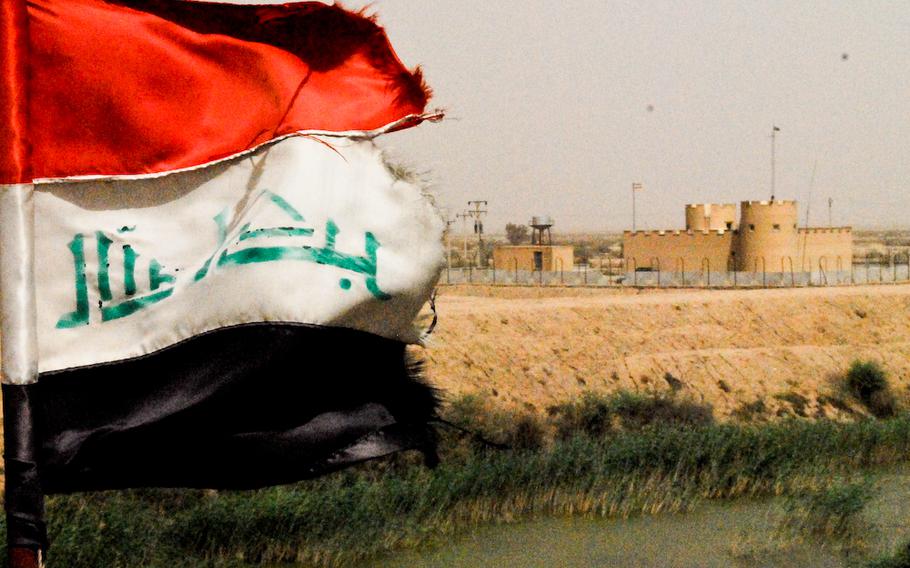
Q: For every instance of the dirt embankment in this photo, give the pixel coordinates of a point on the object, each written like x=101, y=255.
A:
x=772, y=350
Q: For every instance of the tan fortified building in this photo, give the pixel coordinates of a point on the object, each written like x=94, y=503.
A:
x=767, y=238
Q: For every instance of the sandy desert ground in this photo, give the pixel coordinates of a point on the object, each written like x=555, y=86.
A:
x=534, y=347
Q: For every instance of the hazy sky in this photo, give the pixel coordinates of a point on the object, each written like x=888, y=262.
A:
x=548, y=106
x=557, y=107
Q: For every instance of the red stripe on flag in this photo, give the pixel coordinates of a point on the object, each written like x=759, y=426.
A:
x=14, y=151
x=133, y=87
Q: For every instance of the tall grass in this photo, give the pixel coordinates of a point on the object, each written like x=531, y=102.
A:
x=832, y=514
x=343, y=519
x=900, y=559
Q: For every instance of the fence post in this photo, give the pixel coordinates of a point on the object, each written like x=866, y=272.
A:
x=706, y=263
x=792, y=272
x=823, y=268
x=682, y=272
x=658, y=269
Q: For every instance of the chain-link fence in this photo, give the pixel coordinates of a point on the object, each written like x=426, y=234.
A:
x=627, y=274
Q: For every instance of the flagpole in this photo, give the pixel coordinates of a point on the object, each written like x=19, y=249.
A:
x=26, y=533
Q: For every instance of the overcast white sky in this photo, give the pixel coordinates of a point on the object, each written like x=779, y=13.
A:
x=548, y=106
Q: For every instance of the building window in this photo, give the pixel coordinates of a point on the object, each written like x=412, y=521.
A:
x=776, y=227
x=751, y=227
x=729, y=225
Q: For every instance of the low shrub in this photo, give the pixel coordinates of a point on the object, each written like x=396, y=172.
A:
x=868, y=383
x=596, y=415
x=748, y=411
x=527, y=433
x=590, y=415
x=798, y=402
x=866, y=378
x=518, y=430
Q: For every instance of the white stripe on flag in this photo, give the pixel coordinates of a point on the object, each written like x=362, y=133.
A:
x=296, y=232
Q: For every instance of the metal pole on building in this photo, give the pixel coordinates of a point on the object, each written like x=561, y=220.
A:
x=774, y=131
x=830, y=212
x=636, y=187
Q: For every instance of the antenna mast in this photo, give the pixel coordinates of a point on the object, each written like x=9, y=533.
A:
x=802, y=261
x=774, y=131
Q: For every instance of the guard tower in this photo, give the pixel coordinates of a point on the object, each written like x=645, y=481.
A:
x=539, y=226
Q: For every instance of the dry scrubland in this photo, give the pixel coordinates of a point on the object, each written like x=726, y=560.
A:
x=748, y=353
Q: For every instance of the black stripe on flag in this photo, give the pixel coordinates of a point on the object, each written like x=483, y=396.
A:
x=240, y=407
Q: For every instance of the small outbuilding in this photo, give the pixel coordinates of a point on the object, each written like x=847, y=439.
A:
x=547, y=258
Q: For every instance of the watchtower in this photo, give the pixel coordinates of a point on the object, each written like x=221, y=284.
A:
x=768, y=236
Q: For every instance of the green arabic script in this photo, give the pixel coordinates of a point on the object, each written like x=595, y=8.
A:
x=162, y=284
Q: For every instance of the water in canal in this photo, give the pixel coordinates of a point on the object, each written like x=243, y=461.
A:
x=716, y=534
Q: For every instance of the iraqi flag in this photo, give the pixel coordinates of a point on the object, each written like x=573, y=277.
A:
x=226, y=272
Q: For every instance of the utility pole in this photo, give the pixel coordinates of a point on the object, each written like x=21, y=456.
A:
x=464, y=232
x=774, y=131
x=830, y=208
x=636, y=187
x=477, y=213
x=449, y=222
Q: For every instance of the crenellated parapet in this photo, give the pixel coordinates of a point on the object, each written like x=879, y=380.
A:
x=776, y=202
x=672, y=233
x=825, y=230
